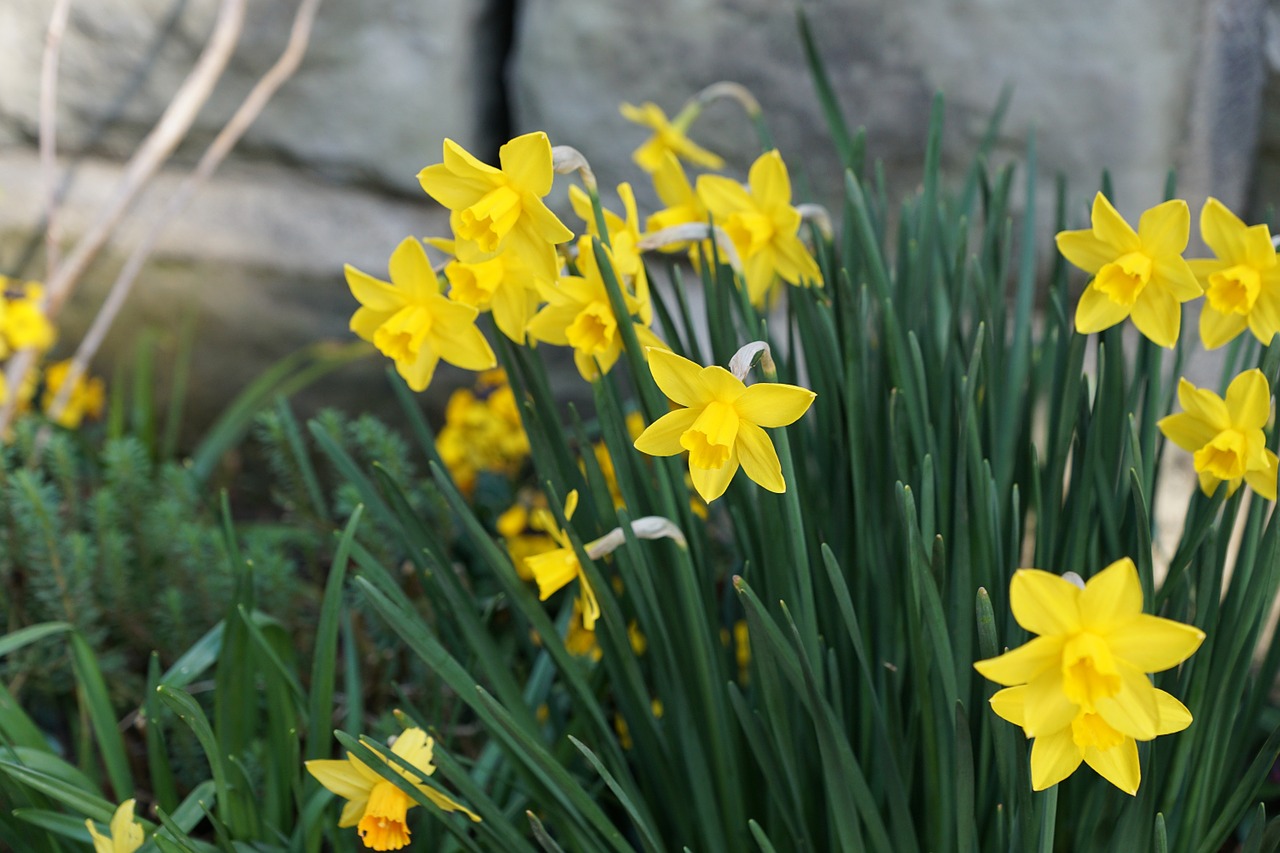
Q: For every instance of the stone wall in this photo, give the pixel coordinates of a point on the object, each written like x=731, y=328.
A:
x=327, y=174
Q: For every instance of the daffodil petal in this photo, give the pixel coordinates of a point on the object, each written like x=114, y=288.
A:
x=1189, y=433
x=758, y=457
x=1110, y=227
x=1249, y=400
x=1174, y=716
x=710, y=483
x=1044, y=603
x=1158, y=316
x=1083, y=249
x=550, y=324
x=352, y=811
x=722, y=196
x=415, y=747
x=1118, y=765
x=372, y=293
x=1264, y=482
x=1021, y=665
x=678, y=378
x=1154, y=644
x=340, y=777
x=1111, y=597
x=418, y=373
x=512, y=308
x=526, y=160
x=722, y=385
x=126, y=833
x=1264, y=319
x=1132, y=711
x=1223, y=231
x=662, y=437
x=1053, y=758
x=411, y=270
x=1217, y=328
x=1047, y=709
x=1165, y=228
x=464, y=346
x=1009, y=704
x=1259, y=251
x=770, y=185
x=1097, y=311
x=445, y=803
x=773, y=404
x=1204, y=405
x=366, y=321
x=1175, y=277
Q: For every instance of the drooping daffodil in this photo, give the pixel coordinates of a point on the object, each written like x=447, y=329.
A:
x=669, y=135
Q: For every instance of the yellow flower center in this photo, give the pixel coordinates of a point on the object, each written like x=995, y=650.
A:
x=402, y=336
x=1225, y=456
x=593, y=329
x=1123, y=280
x=382, y=827
x=487, y=221
x=749, y=231
x=710, y=439
x=1091, y=730
x=474, y=284
x=1234, y=290
x=1089, y=671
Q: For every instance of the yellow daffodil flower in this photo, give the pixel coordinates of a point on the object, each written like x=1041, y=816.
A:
x=482, y=432
x=1081, y=685
x=578, y=314
x=1226, y=436
x=1135, y=274
x=581, y=640
x=375, y=806
x=1241, y=285
x=410, y=322
x=88, y=397
x=23, y=324
x=682, y=203
x=555, y=569
x=493, y=209
x=721, y=423
x=669, y=136
x=126, y=835
x=762, y=224
x=624, y=240
x=504, y=285
x=1088, y=739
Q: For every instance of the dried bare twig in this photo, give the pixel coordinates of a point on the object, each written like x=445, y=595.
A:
x=48, y=129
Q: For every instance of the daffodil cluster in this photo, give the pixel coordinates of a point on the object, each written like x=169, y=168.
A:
x=482, y=432
x=1081, y=687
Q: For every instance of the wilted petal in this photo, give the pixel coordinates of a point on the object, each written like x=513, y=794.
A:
x=1044, y=603
x=1118, y=765
x=1249, y=400
x=1112, y=596
x=1165, y=228
x=1053, y=758
x=1024, y=663
x=758, y=457
x=773, y=404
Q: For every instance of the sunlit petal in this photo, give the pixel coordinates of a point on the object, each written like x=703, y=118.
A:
x=1044, y=603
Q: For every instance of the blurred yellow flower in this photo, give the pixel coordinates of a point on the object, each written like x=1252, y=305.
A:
x=763, y=225
x=1135, y=274
x=1226, y=436
x=669, y=136
x=555, y=569
x=23, y=324
x=482, y=432
x=126, y=834
x=493, y=209
x=1242, y=285
x=410, y=322
x=375, y=806
x=721, y=423
x=1080, y=687
x=682, y=204
x=87, y=395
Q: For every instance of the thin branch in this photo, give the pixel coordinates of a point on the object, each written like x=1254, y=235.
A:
x=48, y=130
x=217, y=151
x=146, y=161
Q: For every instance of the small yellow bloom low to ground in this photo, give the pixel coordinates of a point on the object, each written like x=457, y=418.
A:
x=1242, y=284
x=1226, y=436
x=375, y=806
x=721, y=423
x=126, y=835
x=412, y=323
x=1135, y=274
x=1080, y=688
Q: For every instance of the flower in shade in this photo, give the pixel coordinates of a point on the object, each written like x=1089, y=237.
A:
x=1242, y=284
x=375, y=805
x=763, y=225
x=579, y=314
x=1080, y=688
x=720, y=424
x=492, y=209
x=669, y=136
x=412, y=323
x=1226, y=436
x=555, y=569
x=1135, y=274
x=126, y=834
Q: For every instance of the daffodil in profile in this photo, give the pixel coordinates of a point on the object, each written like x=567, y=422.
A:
x=682, y=205
x=763, y=225
x=1081, y=688
x=624, y=241
x=1225, y=436
x=720, y=424
x=126, y=834
x=1242, y=284
x=669, y=136
x=1139, y=274
x=375, y=805
x=412, y=323
x=496, y=208
x=556, y=568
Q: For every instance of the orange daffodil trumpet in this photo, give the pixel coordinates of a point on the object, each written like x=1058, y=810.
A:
x=1226, y=436
x=1080, y=688
x=412, y=323
x=720, y=424
x=1242, y=284
x=375, y=805
x=1135, y=274
x=126, y=834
